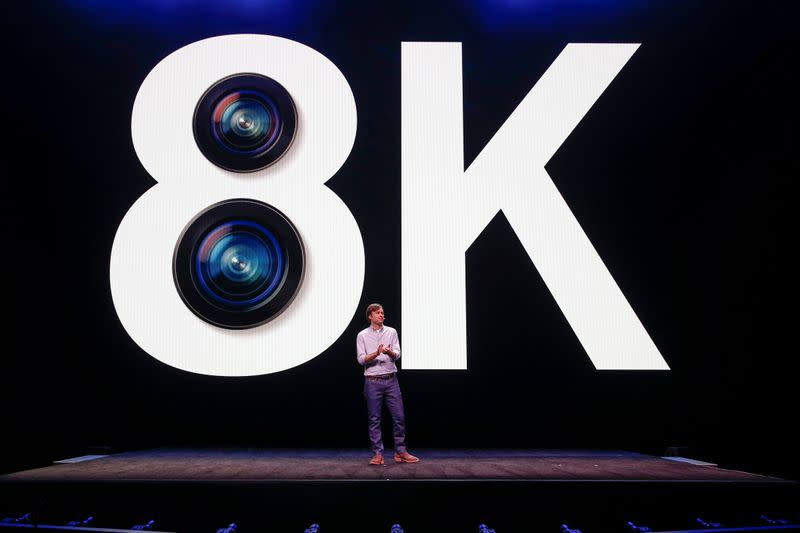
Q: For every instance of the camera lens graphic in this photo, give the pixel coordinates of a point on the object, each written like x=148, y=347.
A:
x=239, y=264
x=245, y=122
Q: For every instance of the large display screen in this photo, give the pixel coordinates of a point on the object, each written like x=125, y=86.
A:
x=573, y=214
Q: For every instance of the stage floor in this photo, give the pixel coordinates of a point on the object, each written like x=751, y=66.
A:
x=258, y=465
x=449, y=490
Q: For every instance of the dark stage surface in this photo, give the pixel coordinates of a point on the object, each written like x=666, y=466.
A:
x=285, y=490
x=351, y=465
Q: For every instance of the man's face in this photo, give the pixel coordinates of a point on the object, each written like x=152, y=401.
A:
x=376, y=316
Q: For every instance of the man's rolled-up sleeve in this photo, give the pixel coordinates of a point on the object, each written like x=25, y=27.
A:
x=361, y=350
x=396, y=345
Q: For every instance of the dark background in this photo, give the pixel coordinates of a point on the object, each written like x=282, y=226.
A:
x=679, y=174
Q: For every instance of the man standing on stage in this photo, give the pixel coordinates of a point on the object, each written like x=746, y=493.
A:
x=377, y=348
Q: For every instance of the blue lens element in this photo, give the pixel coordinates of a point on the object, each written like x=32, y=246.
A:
x=239, y=265
x=245, y=122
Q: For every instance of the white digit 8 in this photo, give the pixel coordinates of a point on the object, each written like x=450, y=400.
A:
x=145, y=289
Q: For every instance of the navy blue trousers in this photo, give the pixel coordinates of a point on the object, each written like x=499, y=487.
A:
x=377, y=392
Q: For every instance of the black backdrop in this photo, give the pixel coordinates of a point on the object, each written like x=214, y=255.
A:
x=679, y=174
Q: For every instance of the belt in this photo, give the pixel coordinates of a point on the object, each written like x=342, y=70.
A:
x=381, y=376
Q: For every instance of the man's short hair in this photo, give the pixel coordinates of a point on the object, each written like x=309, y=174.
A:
x=371, y=308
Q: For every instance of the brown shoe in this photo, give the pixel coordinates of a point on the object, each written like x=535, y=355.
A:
x=405, y=457
x=377, y=460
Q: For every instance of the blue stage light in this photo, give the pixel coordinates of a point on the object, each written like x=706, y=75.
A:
x=188, y=18
x=505, y=15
